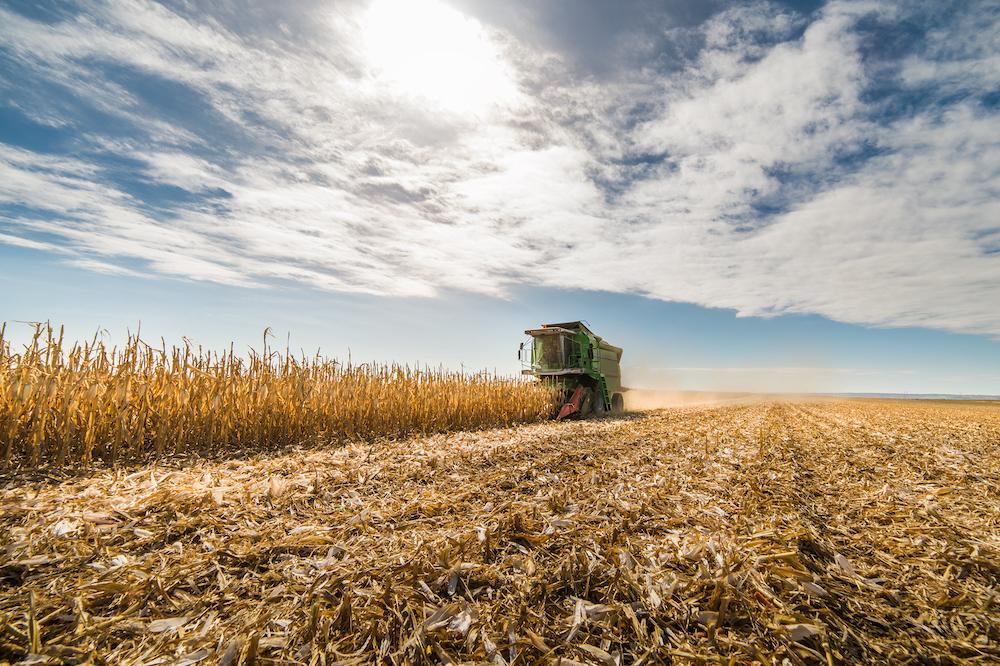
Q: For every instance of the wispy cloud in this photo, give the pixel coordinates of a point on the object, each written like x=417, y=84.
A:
x=17, y=241
x=102, y=267
x=782, y=164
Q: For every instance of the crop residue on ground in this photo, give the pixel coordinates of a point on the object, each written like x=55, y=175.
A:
x=852, y=531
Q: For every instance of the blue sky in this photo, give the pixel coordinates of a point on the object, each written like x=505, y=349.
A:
x=743, y=195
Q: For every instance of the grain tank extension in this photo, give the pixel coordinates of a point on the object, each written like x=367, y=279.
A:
x=582, y=365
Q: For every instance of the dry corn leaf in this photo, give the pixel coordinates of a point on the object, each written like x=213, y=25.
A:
x=167, y=624
x=598, y=654
x=800, y=632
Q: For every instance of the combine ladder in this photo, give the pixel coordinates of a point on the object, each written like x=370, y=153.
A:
x=603, y=384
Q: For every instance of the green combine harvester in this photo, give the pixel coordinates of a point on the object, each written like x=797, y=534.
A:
x=582, y=365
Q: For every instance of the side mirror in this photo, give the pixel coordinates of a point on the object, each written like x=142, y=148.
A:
x=520, y=351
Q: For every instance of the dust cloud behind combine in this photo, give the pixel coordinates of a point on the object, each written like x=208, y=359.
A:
x=662, y=388
x=647, y=399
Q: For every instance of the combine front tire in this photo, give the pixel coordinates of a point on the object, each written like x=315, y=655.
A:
x=617, y=403
x=587, y=403
x=599, y=408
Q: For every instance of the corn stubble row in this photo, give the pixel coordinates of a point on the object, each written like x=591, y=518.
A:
x=64, y=405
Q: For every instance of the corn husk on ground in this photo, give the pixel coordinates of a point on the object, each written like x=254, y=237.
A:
x=819, y=533
x=72, y=404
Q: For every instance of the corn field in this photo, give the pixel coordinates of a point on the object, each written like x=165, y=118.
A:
x=69, y=404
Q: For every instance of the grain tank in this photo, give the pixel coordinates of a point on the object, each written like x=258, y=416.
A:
x=580, y=364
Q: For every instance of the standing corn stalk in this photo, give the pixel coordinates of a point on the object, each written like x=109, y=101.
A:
x=87, y=402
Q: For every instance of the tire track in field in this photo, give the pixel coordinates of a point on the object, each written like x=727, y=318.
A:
x=858, y=514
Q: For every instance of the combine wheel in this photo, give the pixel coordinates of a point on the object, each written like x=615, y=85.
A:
x=599, y=408
x=617, y=403
x=587, y=403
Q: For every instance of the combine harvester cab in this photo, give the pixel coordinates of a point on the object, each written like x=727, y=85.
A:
x=580, y=364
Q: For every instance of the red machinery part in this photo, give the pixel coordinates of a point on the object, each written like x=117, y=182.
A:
x=573, y=406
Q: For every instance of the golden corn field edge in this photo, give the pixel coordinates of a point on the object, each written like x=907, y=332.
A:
x=70, y=404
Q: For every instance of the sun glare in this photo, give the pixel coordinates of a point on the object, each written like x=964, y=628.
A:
x=428, y=50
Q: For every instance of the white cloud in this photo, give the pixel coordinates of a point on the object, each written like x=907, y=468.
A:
x=337, y=175
x=102, y=267
x=28, y=244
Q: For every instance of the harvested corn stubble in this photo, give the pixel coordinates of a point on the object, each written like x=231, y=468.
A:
x=813, y=532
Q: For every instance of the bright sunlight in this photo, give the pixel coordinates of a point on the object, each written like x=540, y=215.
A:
x=430, y=51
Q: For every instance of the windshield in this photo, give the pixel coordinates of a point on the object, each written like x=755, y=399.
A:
x=548, y=352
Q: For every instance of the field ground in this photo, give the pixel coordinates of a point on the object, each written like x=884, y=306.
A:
x=817, y=532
